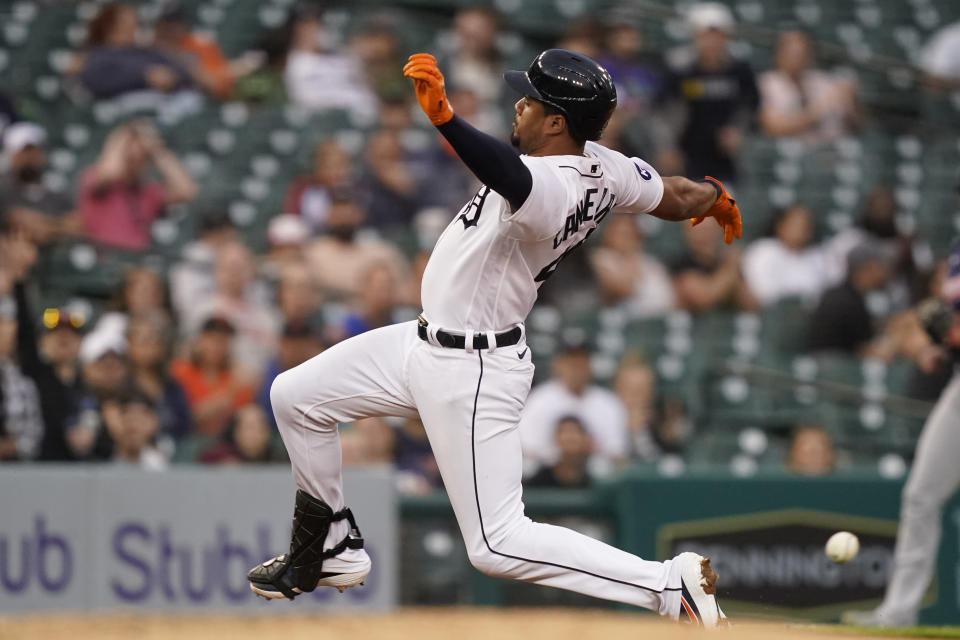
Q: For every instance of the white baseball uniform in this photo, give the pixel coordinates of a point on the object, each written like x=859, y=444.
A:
x=482, y=277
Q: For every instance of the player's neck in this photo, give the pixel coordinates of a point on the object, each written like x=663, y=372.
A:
x=558, y=146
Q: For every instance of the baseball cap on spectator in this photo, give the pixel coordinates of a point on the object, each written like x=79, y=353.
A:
x=287, y=230
x=54, y=318
x=21, y=135
x=710, y=15
x=98, y=344
x=217, y=323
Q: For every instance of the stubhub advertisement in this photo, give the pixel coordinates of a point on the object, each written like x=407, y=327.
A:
x=87, y=538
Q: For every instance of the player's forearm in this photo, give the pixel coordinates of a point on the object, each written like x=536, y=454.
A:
x=684, y=199
x=495, y=163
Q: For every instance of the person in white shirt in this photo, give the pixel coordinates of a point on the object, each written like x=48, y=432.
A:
x=797, y=99
x=571, y=392
x=786, y=264
x=321, y=80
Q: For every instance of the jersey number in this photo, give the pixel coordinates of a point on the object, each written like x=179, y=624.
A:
x=548, y=270
x=475, y=207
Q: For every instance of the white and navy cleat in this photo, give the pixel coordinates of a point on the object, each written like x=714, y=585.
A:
x=271, y=579
x=698, y=591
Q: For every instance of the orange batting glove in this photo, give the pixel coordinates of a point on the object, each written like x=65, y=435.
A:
x=428, y=83
x=725, y=211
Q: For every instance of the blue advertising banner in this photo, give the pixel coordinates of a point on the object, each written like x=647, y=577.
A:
x=112, y=538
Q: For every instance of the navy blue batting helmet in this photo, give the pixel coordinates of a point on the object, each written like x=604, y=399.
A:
x=575, y=85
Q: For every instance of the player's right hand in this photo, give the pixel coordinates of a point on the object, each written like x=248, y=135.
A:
x=726, y=213
x=428, y=83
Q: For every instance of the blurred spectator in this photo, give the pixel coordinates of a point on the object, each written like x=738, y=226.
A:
x=247, y=439
x=368, y=442
x=191, y=278
x=637, y=77
x=297, y=297
x=707, y=275
x=570, y=470
x=476, y=61
x=287, y=235
x=571, y=392
x=142, y=291
x=339, y=259
x=811, y=452
x=50, y=363
x=239, y=299
x=149, y=347
x=319, y=79
x=116, y=202
x=877, y=225
x=131, y=421
x=416, y=467
x=842, y=321
x=298, y=343
x=627, y=277
x=940, y=57
x=8, y=112
x=785, y=263
x=311, y=196
x=377, y=48
x=104, y=373
x=55, y=369
x=25, y=201
x=389, y=186
x=583, y=35
x=656, y=426
x=113, y=63
x=198, y=55
x=21, y=419
x=800, y=100
x=718, y=94
x=215, y=388
x=265, y=85
x=376, y=303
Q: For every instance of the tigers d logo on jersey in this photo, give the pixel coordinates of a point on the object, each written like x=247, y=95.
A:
x=474, y=208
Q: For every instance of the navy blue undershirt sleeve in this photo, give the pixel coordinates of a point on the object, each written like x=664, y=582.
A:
x=495, y=163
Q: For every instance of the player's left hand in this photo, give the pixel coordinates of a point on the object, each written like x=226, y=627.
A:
x=725, y=211
x=428, y=83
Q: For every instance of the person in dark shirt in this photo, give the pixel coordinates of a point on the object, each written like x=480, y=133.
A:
x=114, y=65
x=719, y=94
x=570, y=471
x=841, y=321
x=26, y=203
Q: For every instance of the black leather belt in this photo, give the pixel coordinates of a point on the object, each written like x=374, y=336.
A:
x=456, y=341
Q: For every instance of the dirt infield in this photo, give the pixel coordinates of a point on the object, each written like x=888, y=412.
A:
x=418, y=624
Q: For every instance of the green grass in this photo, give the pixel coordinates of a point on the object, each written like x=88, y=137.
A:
x=906, y=632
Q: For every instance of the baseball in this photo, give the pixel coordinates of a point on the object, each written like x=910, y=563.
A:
x=842, y=547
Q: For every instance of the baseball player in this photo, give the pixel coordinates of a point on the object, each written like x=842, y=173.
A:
x=464, y=365
x=935, y=474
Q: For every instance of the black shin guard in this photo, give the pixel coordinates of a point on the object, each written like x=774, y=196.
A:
x=299, y=570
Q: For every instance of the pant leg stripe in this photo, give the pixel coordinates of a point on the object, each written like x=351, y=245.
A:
x=476, y=491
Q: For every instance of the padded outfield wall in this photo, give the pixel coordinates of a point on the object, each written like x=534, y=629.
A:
x=95, y=538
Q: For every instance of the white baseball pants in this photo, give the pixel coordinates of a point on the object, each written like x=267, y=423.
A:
x=934, y=477
x=470, y=404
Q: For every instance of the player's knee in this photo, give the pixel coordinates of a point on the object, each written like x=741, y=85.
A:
x=491, y=564
x=282, y=391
